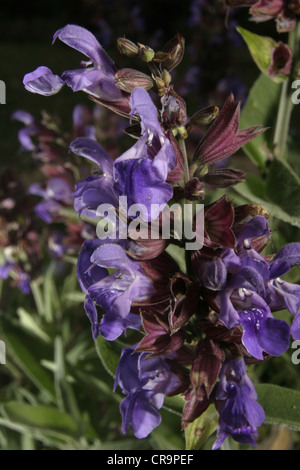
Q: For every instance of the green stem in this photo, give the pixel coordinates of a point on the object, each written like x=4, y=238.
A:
x=181, y=143
x=286, y=105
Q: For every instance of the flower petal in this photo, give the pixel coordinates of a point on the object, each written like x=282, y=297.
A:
x=85, y=42
x=43, y=82
x=287, y=257
x=90, y=149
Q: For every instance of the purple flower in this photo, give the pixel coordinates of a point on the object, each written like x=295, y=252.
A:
x=96, y=77
x=56, y=195
x=239, y=412
x=33, y=128
x=141, y=172
x=281, y=294
x=262, y=332
x=96, y=189
x=21, y=278
x=145, y=381
x=5, y=269
x=115, y=292
x=243, y=300
x=43, y=82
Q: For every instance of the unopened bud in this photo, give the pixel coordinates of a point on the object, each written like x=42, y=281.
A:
x=223, y=177
x=166, y=77
x=194, y=190
x=204, y=116
x=128, y=79
x=128, y=48
x=160, y=83
x=175, y=48
x=146, y=53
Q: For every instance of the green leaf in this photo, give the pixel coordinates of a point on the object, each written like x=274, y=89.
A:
x=248, y=192
x=199, y=430
x=281, y=405
x=25, y=357
x=38, y=297
x=52, y=302
x=48, y=438
x=98, y=386
x=260, y=48
x=41, y=417
x=76, y=297
x=174, y=404
x=283, y=187
x=27, y=321
x=261, y=109
x=109, y=353
x=167, y=435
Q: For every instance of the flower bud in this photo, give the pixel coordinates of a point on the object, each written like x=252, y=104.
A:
x=128, y=79
x=166, y=77
x=175, y=48
x=146, y=53
x=223, y=177
x=204, y=116
x=194, y=190
x=128, y=48
x=159, y=83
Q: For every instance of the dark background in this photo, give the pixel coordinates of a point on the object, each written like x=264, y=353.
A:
x=27, y=28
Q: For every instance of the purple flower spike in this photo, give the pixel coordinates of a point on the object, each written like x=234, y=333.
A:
x=43, y=82
x=239, y=412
